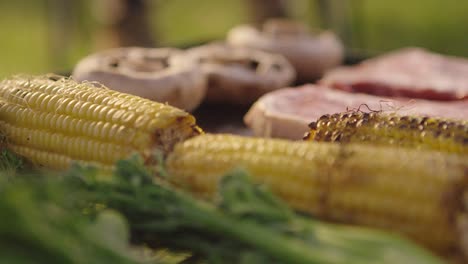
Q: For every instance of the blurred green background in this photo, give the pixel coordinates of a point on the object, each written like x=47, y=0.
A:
x=51, y=36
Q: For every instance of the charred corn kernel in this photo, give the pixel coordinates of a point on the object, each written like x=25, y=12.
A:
x=414, y=192
x=55, y=122
x=391, y=129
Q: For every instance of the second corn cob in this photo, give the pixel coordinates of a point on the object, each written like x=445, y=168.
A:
x=54, y=121
x=390, y=129
x=412, y=192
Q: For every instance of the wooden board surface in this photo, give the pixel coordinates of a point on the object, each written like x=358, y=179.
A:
x=222, y=118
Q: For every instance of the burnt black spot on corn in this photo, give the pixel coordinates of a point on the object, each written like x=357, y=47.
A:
x=390, y=129
x=56, y=121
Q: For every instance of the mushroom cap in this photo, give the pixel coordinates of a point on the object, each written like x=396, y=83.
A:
x=238, y=75
x=146, y=72
x=310, y=54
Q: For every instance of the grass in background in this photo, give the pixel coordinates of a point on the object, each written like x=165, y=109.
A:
x=184, y=21
x=30, y=41
x=377, y=26
x=23, y=45
x=181, y=21
x=440, y=25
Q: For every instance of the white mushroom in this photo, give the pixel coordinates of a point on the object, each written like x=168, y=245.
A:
x=310, y=54
x=146, y=72
x=237, y=75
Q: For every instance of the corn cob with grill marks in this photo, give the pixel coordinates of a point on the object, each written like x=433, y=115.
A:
x=391, y=129
x=413, y=192
x=54, y=122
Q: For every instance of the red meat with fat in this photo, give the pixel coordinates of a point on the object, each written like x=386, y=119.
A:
x=409, y=72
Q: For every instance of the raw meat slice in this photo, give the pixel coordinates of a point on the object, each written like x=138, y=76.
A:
x=409, y=72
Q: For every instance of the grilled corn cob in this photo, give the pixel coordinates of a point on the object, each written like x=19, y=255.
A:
x=53, y=122
x=413, y=192
x=391, y=129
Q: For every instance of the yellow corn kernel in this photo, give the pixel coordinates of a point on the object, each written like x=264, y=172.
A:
x=390, y=129
x=66, y=121
x=54, y=161
x=409, y=191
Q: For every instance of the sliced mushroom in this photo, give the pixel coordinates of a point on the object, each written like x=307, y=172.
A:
x=310, y=54
x=237, y=75
x=146, y=72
